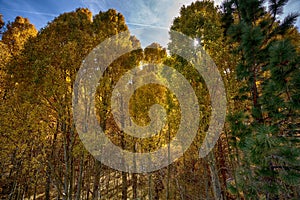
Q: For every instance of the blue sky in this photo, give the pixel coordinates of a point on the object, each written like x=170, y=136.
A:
x=142, y=16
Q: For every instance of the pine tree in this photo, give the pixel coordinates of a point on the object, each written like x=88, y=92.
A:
x=265, y=132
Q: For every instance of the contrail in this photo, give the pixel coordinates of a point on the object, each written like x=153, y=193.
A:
x=128, y=23
x=147, y=25
x=55, y=15
x=31, y=12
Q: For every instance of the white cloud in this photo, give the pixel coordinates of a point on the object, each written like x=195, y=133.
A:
x=156, y=13
x=149, y=20
x=159, y=13
x=146, y=18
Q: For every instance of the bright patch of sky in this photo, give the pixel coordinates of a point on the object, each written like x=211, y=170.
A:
x=149, y=20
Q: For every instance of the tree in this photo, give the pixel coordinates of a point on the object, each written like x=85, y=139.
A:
x=4, y=59
x=17, y=143
x=268, y=65
x=17, y=33
x=257, y=156
x=202, y=21
x=41, y=77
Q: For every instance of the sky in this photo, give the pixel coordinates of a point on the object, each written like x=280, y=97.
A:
x=149, y=20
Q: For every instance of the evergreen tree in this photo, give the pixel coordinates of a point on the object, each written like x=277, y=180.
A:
x=266, y=133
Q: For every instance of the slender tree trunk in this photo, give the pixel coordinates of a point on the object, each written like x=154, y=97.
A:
x=134, y=175
x=223, y=167
x=123, y=144
x=48, y=171
x=79, y=182
x=158, y=185
x=66, y=160
x=169, y=167
x=96, y=180
x=34, y=194
x=124, y=178
x=149, y=186
x=71, y=161
x=18, y=192
x=88, y=184
x=48, y=181
x=118, y=188
x=179, y=189
x=71, y=179
x=214, y=177
x=14, y=187
x=233, y=167
x=124, y=186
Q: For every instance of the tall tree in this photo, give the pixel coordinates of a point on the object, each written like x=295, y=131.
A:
x=16, y=142
x=268, y=67
x=202, y=21
x=17, y=33
x=42, y=74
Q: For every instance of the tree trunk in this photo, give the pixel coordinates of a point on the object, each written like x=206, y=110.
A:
x=149, y=186
x=48, y=181
x=79, y=182
x=96, y=180
x=169, y=167
x=124, y=186
x=134, y=175
x=214, y=177
x=124, y=174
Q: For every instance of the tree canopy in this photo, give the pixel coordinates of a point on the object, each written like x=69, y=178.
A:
x=256, y=157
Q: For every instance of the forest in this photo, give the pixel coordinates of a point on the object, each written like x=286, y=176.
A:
x=257, y=154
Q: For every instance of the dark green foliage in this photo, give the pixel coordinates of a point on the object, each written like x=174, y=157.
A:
x=276, y=6
x=267, y=136
x=256, y=157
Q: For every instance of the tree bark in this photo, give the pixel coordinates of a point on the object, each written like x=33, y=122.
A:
x=79, y=182
x=96, y=180
x=216, y=186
